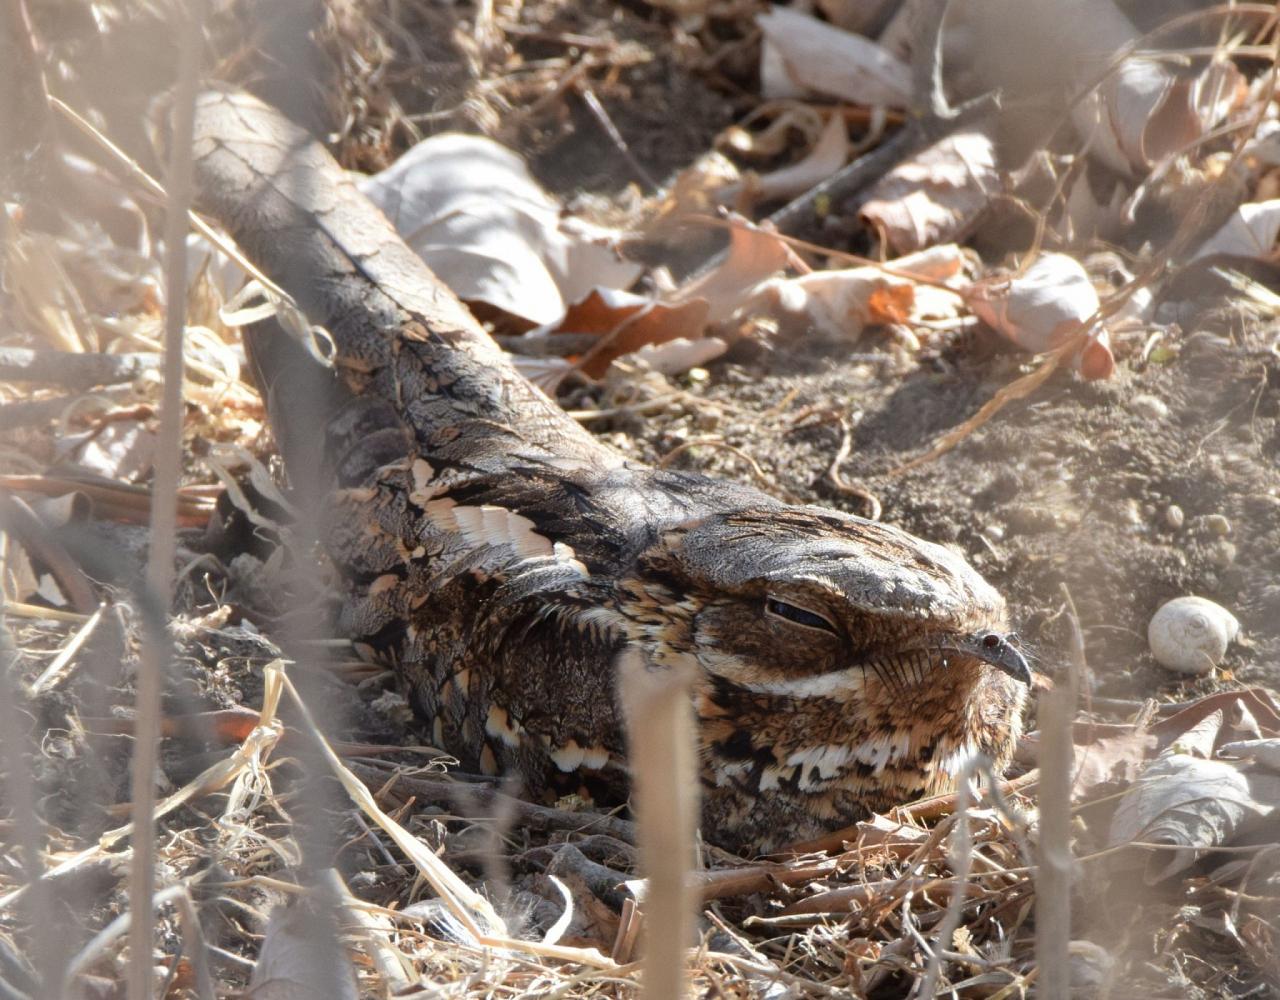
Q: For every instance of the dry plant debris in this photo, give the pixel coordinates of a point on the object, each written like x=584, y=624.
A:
x=1131, y=176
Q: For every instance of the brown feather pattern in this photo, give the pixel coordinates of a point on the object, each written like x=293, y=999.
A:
x=501, y=558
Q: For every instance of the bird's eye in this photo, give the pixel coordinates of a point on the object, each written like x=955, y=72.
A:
x=801, y=616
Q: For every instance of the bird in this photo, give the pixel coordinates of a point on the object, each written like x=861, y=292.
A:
x=504, y=561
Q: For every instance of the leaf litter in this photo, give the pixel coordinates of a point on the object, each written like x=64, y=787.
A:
x=1180, y=793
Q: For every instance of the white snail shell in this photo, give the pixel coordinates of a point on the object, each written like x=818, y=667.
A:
x=1191, y=635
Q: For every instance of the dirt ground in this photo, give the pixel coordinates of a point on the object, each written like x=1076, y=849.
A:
x=1075, y=487
x=1115, y=495
x=1079, y=487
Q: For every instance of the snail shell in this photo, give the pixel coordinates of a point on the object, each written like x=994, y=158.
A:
x=1191, y=635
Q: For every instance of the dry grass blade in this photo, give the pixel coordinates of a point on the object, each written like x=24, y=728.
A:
x=280, y=302
x=471, y=909
x=1018, y=389
x=660, y=736
x=52, y=675
x=1053, y=878
x=156, y=652
x=248, y=756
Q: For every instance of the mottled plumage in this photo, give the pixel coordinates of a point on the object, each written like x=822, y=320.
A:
x=502, y=559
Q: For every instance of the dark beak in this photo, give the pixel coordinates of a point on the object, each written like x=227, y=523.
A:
x=1001, y=651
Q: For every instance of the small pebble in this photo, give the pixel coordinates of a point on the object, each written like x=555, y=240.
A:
x=1090, y=967
x=1027, y=519
x=1149, y=407
x=1223, y=554
x=1191, y=634
x=1174, y=517
x=993, y=532
x=1218, y=525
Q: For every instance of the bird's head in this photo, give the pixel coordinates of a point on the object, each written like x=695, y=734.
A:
x=841, y=666
x=807, y=602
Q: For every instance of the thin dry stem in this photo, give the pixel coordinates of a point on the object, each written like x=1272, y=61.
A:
x=160, y=573
x=1053, y=878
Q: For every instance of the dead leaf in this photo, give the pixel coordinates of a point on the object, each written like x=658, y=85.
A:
x=120, y=449
x=1044, y=308
x=1144, y=112
x=936, y=195
x=626, y=323
x=1249, y=714
x=1265, y=753
x=843, y=302
x=1251, y=232
x=1192, y=805
x=301, y=957
x=802, y=53
x=470, y=208
x=754, y=255
x=1114, y=761
x=828, y=155
x=677, y=356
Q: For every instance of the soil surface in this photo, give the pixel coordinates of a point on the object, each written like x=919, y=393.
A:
x=1113, y=496
x=1123, y=494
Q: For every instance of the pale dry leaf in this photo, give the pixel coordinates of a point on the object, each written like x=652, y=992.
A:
x=1265, y=753
x=302, y=957
x=1144, y=112
x=828, y=155
x=1109, y=762
x=936, y=263
x=120, y=449
x=1198, y=740
x=754, y=255
x=1251, y=232
x=470, y=208
x=626, y=323
x=1252, y=713
x=803, y=54
x=1051, y=302
x=842, y=302
x=935, y=196
x=677, y=356
x=1189, y=804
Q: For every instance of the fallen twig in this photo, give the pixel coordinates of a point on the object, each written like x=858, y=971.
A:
x=74, y=371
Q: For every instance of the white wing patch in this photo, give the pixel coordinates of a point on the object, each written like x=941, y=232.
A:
x=771, y=777
x=604, y=618
x=500, y=725
x=571, y=756
x=827, y=759
x=421, y=473
x=490, y=525
x=882, y=751
x=955, y=762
